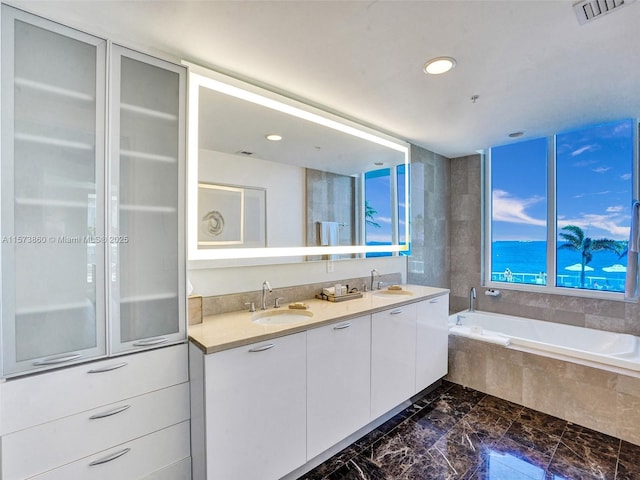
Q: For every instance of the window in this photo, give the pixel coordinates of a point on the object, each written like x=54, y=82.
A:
x=384, y=192
x=571, y=235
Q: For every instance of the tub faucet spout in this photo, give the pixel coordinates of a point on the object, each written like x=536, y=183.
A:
x=472, y=299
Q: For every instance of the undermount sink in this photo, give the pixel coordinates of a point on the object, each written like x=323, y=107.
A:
x=392, y=293
x=281, y=317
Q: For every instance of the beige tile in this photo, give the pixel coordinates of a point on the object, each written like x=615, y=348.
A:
x=504, y=374
x=628, y=418
x=609, y=324
x=591, y=406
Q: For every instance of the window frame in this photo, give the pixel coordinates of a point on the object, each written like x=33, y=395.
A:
x=486, y=214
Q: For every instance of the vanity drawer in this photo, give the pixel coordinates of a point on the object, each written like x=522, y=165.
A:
x=131, y=460
x=34, y=450
x=33, y=400
x=178, y=471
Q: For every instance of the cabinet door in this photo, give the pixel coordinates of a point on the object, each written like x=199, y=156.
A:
x=393, y=358
x=52, y=182
x=255, y=410
x=432, y=341
x=146, y=224
x=338, y=382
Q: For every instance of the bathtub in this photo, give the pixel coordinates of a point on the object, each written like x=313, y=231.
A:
x=587, y=346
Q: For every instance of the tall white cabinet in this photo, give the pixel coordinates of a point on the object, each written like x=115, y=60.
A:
x=92, y=244
x=92, y=257
x=52, y=194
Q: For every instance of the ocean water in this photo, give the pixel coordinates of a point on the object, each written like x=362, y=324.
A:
x=527, y=262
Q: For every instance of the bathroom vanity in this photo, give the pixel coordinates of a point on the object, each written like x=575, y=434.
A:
x=267, y=399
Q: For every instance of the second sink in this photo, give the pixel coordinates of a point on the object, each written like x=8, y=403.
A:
x=281, y=317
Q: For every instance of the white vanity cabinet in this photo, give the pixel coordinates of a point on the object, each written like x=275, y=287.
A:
x=92, y=248
x=338, y=382
x=254, y=425
x=393, y=358
x=432, y=341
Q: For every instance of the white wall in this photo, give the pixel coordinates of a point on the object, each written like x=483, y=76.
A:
x=285, y=186
x=223, y=281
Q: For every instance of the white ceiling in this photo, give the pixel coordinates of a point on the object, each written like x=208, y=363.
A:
x=533, y=66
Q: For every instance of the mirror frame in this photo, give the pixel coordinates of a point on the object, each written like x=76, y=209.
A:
x=202, y=77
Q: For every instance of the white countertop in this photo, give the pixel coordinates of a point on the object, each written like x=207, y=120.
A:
x=234, y=329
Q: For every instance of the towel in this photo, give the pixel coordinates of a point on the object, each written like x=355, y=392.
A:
x=328, y=233
x=632, y=282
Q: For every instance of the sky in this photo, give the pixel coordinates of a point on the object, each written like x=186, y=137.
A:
x=593, y=184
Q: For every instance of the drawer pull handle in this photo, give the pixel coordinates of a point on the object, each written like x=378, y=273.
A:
x=343, y=326
x=109, y=458
x=262, y=348
x=56, y=360
x=435, y=300
x=109, y=413
x=396, y=312
x=108, y=368
x=151, y=341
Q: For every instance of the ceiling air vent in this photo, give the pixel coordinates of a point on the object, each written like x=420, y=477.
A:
x=589, y=10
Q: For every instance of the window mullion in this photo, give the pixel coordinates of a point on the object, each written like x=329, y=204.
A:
x=552, y=223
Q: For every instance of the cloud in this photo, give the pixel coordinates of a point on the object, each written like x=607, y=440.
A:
x=608, y=223
x=626, y=176
x=615, y=209
x=506, y=208
x=601, y=169
x=581, y=150
x=385, y=220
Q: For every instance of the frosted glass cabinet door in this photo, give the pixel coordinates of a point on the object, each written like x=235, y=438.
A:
x=53, y=110
x=147, y=201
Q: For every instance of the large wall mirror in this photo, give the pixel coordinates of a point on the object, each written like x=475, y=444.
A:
x=273, y=180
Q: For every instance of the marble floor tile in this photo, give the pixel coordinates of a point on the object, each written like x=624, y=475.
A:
x=456, y=433
x=628, y=462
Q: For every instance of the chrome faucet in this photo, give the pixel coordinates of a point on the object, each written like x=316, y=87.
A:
x=265, y=287
x=373, y=272
x=472, y=299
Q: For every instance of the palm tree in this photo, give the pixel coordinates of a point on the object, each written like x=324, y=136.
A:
x=369, y=213
x=576, y=240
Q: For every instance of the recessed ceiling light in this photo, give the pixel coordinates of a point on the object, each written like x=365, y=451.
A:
x=274, y=137
x=516, y=134
x=439, y=65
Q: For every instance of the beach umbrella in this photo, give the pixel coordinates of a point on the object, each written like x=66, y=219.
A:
x=577, y=267
x=616, y=268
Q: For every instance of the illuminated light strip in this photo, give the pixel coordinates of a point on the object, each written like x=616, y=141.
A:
x=294, y=111
x=194, y=253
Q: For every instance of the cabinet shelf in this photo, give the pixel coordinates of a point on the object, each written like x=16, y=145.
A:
x=149, y=298
x=50, y=203
x=148, y=112
x=148, y=156
x=52, y=89
x=53, y=142
x=146, y=208
x=60, y=307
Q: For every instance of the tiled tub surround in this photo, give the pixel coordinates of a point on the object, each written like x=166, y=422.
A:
x=617, y=352
x=235, y=302
x=602, y=400
x=455, y=432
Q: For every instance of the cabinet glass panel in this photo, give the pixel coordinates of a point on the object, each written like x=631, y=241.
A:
x=52, y=160
x=145, y=186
